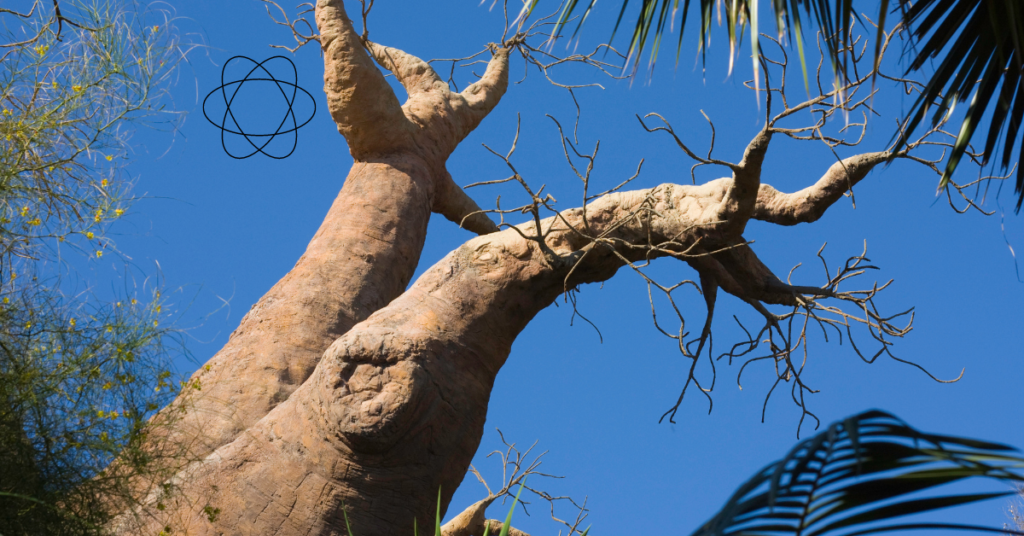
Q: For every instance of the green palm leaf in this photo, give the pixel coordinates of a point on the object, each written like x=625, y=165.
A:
x=979, y=42
x=856, y=476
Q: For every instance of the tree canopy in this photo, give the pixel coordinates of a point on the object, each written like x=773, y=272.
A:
x=80, y=371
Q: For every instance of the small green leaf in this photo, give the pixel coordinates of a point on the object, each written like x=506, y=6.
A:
x=508, y=519
x=437, y=523
x=345, y=513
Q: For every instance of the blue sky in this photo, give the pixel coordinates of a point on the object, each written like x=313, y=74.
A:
x=224, y=230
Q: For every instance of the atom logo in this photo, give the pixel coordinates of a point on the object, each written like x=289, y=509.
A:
x=289, y=124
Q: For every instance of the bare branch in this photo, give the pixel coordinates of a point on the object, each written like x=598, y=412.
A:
x=301, y=28
x=515, y=469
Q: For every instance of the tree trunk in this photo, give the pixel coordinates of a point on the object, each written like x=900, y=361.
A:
x=361, y=258
x=394, y=409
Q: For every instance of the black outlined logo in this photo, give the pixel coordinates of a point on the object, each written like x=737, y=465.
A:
x=229, y=124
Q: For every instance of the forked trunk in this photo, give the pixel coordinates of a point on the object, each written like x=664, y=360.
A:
x=361, y=258
x=394, y=409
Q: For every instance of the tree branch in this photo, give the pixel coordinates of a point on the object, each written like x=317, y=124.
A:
x=477, y=100
x=452, y=202
x=360, y=100
x=415, y=75
x=809, y=204
x=741, y=195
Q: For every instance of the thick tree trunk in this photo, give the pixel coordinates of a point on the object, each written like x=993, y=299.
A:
x=365, y=252
x=394, y=409
x=362, y=257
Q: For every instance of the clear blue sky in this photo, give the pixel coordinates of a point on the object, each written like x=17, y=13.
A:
x=221, y=228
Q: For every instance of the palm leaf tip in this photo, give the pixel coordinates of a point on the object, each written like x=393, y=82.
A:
x=861, y=475
x=979, y=44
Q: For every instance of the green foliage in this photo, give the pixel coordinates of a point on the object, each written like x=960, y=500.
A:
x=857, y=476
x=65, y=103
x=77, y=385
x=79, y=375
x=981, y=46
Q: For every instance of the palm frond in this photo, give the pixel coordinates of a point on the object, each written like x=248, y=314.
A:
x=855, y=478
x=657, y=16
x=980, y=46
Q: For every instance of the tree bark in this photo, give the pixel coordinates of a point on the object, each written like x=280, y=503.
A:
x=340, y=393
x=395, y=409
x=365, y=252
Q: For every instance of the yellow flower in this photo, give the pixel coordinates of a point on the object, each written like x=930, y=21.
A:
x=155, y=28
x=72, y=322
x=118, y=304
x=28, y=325
x=118, y=212
x=100, y=413
x=158, y=308
x=114, y=414
x=109, y=158
x=99, y=254
x=7, y=300
x=134, y=301
x=107, y=386
x=35, y=221
x=110, y=328
x=154, y=323
x=103, y=182
x=77, y=88
x=24, y=211
x=7, y=112
x=89, y=235
x=13, y=276
x=54, y=84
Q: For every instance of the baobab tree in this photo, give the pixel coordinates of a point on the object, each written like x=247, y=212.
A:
x=342, y=394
